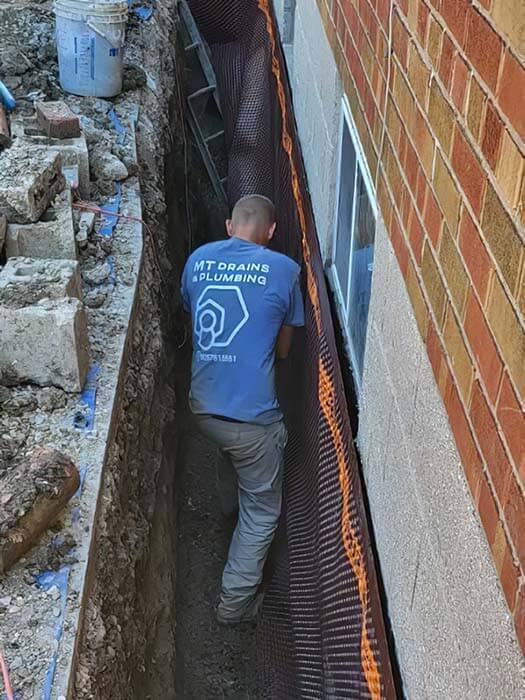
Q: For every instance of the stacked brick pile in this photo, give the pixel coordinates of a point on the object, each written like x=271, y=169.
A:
x=446, y=143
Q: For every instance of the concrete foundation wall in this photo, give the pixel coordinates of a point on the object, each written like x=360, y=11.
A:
x=317, y=91
x=453, y=632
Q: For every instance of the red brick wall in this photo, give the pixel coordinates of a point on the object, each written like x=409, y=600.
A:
x=446, y=145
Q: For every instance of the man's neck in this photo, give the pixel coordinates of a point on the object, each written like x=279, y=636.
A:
x=249, y=236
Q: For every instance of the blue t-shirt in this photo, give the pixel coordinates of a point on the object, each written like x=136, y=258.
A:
x=239, y=295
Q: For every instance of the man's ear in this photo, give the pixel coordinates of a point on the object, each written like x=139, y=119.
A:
x=229, y=227
x=271, y=230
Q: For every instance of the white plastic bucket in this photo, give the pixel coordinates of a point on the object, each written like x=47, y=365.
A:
x=90, y=42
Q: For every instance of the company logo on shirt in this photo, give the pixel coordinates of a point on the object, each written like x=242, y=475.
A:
x=220, y=314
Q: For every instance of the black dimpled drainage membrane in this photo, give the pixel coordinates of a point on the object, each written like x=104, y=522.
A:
x=322, y=634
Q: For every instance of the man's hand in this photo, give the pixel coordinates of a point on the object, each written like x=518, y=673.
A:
x=284, y=342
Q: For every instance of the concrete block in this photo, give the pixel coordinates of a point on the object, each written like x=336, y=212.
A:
x=45, y=343
x=73, y=152
x=51, y=237
x=57, y=120
x=25, y=281
x=30, y=178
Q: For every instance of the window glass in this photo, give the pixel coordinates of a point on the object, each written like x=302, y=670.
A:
x=361, y=272
x=354, y=247
x=344, y=213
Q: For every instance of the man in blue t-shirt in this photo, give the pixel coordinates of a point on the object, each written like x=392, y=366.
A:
x=244, y=301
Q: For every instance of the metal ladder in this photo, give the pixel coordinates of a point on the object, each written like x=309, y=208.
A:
x=204, y=108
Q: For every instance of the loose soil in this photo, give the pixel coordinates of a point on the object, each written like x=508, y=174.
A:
x=212, y=661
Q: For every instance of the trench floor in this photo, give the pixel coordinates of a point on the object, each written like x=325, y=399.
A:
x=212, y=662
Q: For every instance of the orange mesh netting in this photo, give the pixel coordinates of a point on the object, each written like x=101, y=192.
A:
x=322, y=634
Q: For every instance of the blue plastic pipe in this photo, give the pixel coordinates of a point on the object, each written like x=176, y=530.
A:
x=6, y=98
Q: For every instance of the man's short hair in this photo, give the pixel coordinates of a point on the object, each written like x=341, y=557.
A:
x=254, y=210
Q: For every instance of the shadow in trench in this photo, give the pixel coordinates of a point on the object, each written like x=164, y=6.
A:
x=212, y=662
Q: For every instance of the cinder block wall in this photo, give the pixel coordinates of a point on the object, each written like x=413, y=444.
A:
x=445, y=142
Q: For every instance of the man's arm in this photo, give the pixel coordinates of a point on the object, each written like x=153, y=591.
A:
x=284, y=342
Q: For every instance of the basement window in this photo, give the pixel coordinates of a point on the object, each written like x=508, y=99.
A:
x=288, y=21
x=353, y=245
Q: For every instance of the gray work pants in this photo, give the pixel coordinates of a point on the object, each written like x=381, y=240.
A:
x=255, y=455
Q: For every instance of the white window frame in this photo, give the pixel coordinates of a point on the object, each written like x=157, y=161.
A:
x=343, y=300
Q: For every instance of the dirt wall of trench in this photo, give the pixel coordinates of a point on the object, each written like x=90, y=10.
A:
x=128, y=598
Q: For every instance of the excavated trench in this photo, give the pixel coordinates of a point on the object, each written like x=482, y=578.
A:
x=148, y=629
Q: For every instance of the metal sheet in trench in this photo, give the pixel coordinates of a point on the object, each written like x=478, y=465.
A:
x=322, y=634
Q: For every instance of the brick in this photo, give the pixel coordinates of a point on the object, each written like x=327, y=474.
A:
x=434, y=41
x=421, y=190
x=440, y=116
x=462, y=367
x=468, y=170
x=437, y=357
x=498, y=547
x=417, y=299
x=445, y=60
x=491, y=138
x=475, y=254
x=393, y=174
x=412, y=14
x=488, y=511
x=460, y=75
x=512, y=420
x=403, y=4
x=454, y=270
x=424, y=143
x=416, y=236
x=468, y=451
x=57, y=120
x=486, y=430
x=509, y=16
x=399, y=40
x=483, y=48
x=411, y=166
x=511, y=93
x=508, y=332
x=514, y=510
x=384, y=201
x=422, y=23
x=521, y=293
x=475, y=108
x=399, y=245
x=405, y=101
x=393, y=123
x=519, y=616
x=510, y=169
x=509, y=576
x=383, y=12
x=418, y=74
x=502, y=237
x=483, y=347
x=433, y=219
x=454, y=13
x=433, y=282
x=447, y=193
